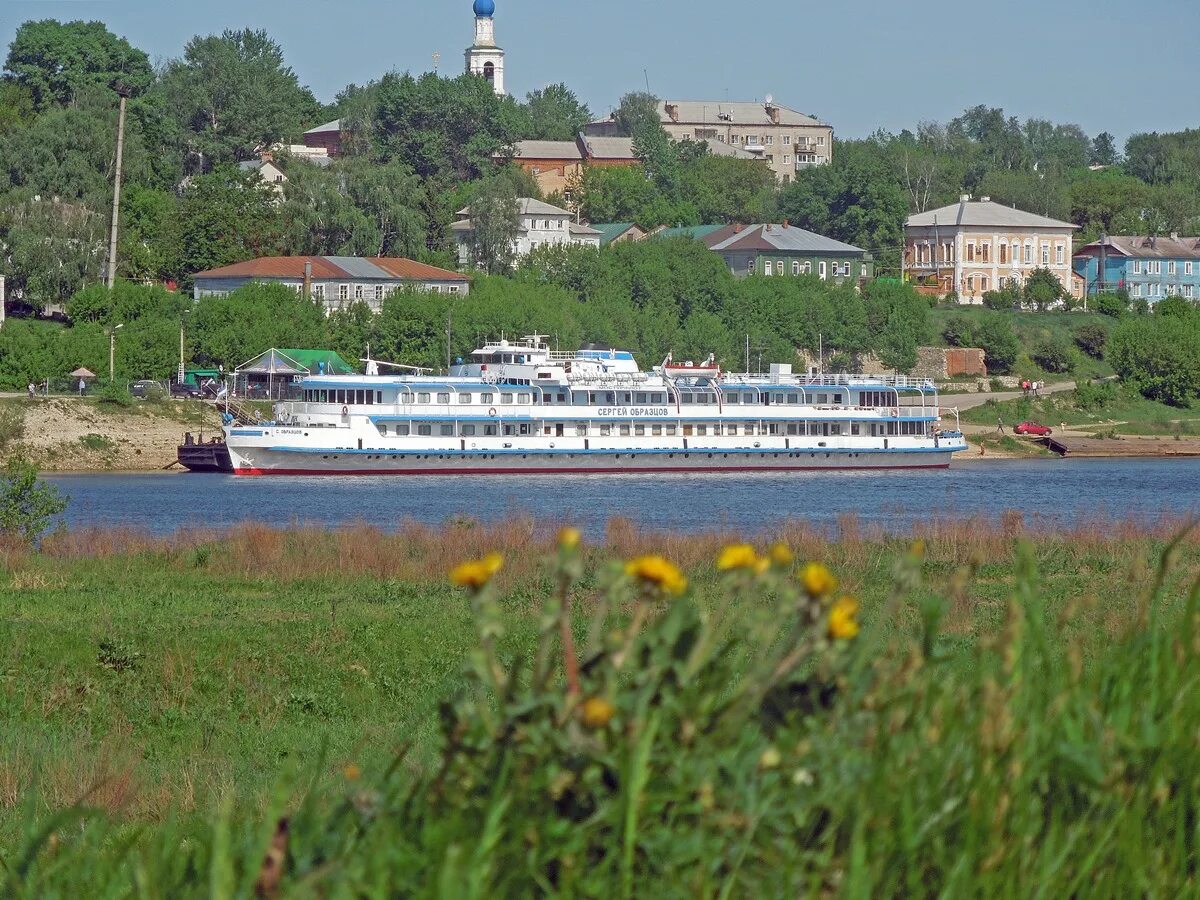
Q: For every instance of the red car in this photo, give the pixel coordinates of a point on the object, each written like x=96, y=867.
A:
x=1032, y=428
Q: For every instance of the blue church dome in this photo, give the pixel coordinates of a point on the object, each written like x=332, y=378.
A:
x=485, y=8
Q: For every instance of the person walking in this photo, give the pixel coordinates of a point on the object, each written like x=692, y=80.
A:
x=82, y=386
x=32, y=391
x=999, y=426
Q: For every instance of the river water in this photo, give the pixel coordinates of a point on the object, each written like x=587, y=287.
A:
x=1049, y=492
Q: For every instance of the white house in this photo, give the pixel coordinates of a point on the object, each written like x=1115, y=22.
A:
x=540, y=225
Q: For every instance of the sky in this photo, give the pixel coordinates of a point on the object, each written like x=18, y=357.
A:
x=1122, y=67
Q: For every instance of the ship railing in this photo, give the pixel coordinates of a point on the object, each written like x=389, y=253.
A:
x=830, y=380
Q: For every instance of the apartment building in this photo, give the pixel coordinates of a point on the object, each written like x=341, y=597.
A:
x=1146, y=267
x=789, y=141
x=975, y=246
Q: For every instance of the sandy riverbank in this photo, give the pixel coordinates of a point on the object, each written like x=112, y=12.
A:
x=73, y=435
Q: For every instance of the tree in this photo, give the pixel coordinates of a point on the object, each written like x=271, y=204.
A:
x=230, y=330
x=1110, y=305
x=225, y=218
x=1104, y=150
x=1159, y=356
x=999, y=343
x=637, y=113
x=959, y=331
x=27, y=506
x=57, y=62
x=1042, y=289
x=495, y=227
x=233, y=95
x=1053, y=354
x=52, y=249
x=554, y=113
x=16, y=106
x=1008, y=297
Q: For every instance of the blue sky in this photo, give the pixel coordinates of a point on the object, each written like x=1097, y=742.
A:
x=859, y=64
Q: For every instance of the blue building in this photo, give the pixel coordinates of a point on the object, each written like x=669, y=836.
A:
x=1148, y=268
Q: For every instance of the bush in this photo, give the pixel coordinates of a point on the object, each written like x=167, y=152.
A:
x=1053, y=354
x=115, y=393
x=1159, y=356
x=12, y=424
x=959, y=332
x=1005, y=298
x=999, y=343
x=1091, y=339
x=1109, y=305
x=1091, y=396
x=27, y=506
x=1042, y=289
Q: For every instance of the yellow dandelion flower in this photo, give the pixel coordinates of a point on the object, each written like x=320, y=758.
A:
x=737, y=556
x=770, y=759
x=352, y=772
x=818, y=581
x=657, y=571
x=781, y=555
x=596, y=713
x=477, y=573
x=569, y=538
x=843, y=619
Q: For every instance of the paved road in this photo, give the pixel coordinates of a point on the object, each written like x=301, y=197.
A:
x=970, y=401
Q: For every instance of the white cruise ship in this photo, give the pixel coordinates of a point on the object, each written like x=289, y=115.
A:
x=519, y=407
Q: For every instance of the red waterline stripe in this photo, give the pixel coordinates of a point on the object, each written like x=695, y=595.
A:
x=639, y=470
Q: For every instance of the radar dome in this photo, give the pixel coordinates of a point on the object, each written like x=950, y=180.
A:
x=485, y=8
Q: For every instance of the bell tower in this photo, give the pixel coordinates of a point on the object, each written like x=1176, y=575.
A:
x=484, y=58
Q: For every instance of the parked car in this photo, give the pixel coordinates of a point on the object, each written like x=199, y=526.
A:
x=146, y=389
x=189, y=391
x=1032, y=428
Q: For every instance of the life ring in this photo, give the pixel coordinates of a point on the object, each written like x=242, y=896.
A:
x=492, y=411
x=345, y=410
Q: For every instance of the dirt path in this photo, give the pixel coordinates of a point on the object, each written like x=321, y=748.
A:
x=970, y=401
x=72, y=435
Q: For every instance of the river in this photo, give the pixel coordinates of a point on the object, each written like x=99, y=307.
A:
x=1050, y=492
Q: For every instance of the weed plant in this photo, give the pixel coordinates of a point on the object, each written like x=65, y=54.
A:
x=1015, y=713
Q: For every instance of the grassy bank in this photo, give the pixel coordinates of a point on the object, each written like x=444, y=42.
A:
x=1114, y=412
x=1017, y=714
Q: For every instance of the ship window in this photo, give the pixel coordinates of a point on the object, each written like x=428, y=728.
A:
x=658, y=398
x=489, y=430
x=716, y=429
x=670, y=429
x=486, y=398
x=747, y=398
x=379, y=396
x=702, y=398
x=506, y=398
x=524, y=429
x=624, y=431
x=773, y=428
x=854, y=429
x=793, y=398
x=581, y=429
x=750, y=429
x=627, y=398
x=464, y=398
x=656, y=429
x=444, y=397
x=424, y=429
x=422, y=397
x=639, y=429
x=733, y=398
x=605, y=430
x=731, y=429
x=702, y=429
x=402, y=430
x=562, y=397
x=835, y=398
x=687, y=399
x=447, y=429
x=641, y=398
x=382, y=430
x=406, y=397
x=822, y=399
x=793, y=428
x=524, y=398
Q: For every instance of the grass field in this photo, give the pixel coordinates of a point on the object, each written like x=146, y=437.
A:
x=1018, y=716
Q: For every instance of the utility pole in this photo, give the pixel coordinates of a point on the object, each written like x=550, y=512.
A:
x=182, y=369
x=116, y=215
x=112, y=351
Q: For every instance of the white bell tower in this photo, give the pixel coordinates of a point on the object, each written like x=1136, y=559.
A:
x=484, y=58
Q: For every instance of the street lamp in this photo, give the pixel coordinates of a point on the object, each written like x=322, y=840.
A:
x=112, y=350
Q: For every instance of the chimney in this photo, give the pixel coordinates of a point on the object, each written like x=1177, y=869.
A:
x=773, y=112
x=308, y=278
x=737, y=227
x=672, y=111
x=786, y=223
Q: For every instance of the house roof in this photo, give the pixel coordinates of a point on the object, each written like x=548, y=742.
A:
x=335, y=125
x=786, y=238
x=607, y=147
x=329, y=267
x=983, y=213
x=546, y=150
x=528, y=207
x=723, y=112
x=1146, y=247
x=582, y=229
x=610, y=231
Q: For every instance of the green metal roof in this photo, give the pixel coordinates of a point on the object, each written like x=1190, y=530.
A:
x=610, y=231
x=697, y=232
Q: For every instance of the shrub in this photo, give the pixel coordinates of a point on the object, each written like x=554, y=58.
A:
x=1042, y=289
x=12, y=424
x=27, y=506
x=1091, y=339
x=1053, y=354
x=999, y=343
x=115, y=393
x=1091, y=396
x=959, y=332
x=1110, y=305
x=1005, y=298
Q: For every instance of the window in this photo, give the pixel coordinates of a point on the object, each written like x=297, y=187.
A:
x=768, y=268
x=358, y=292
x=1187, y=268
x=446, y=429
x=787, y=139
x=985, y=252
x=1045, y=254
x=733, y=138
x=821, y=141
x=1060, y=254
x=444, y=397
x=424, y=430
x=468, y=431
x=319, y=291
x=1137, y=290
x=970, y=251
x=487, y=398
x=1188, y=291
x=464, y=398
x=770, y=139
x=1029, y=253
x=786, y=159
x=1002, y=250
x=821, y=270
x=779, y=267
x=379, y=292
x=795, y=267
x=639, y=430
x=1137, y=267
x=524, y=398
x=506, y=398
x=1171, y=267
x=1016, y=253
x=422, y=397
x=1154, y=267
x=343, y=292
x=770, y=157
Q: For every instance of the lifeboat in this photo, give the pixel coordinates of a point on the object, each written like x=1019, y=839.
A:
x=689, y=369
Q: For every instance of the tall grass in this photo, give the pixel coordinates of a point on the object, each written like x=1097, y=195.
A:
x=1017, y=717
